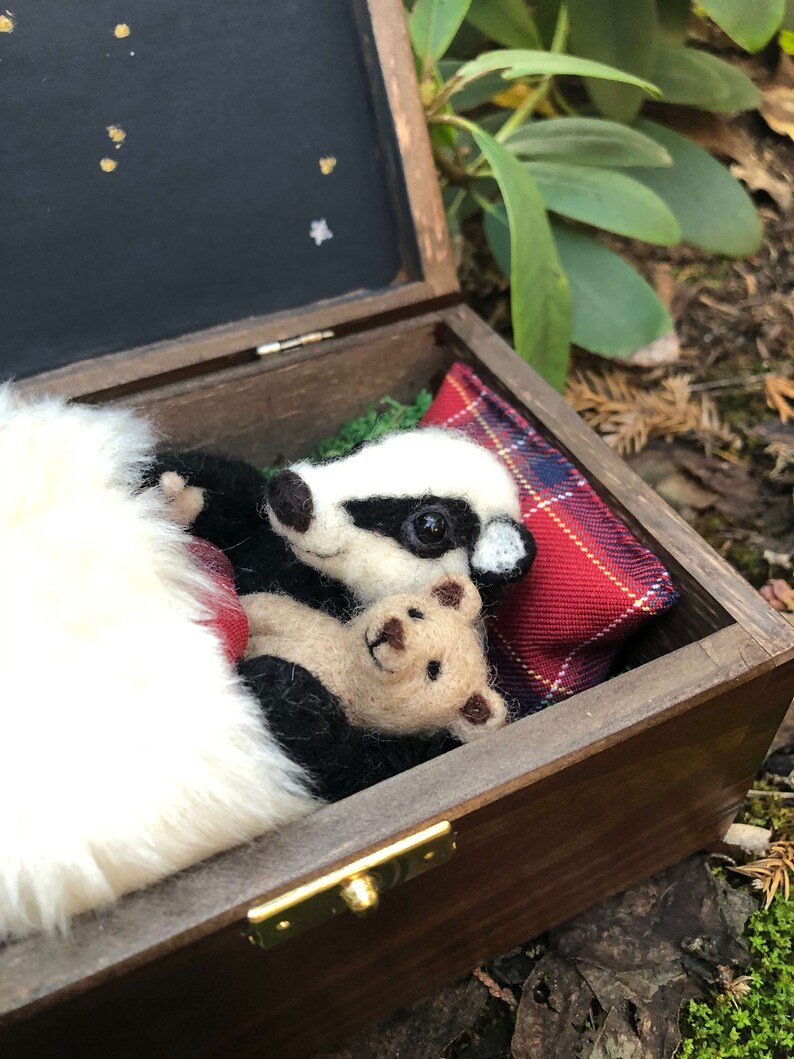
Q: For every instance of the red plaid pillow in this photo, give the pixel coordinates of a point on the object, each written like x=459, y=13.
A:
x=592, y=583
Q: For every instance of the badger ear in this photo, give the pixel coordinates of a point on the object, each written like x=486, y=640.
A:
x=457, y=593
x=503, y=551
x=480, y=713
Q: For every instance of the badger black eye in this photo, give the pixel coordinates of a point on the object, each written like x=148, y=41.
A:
x=433, y=669
x=414, y=613
x=428, y=532
x=430, y=527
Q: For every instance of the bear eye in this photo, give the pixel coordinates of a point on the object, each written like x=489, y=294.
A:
x=414, y=613
x=433, y=669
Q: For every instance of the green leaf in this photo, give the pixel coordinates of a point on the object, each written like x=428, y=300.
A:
x=586, y=141
x=673, y=20
x=540, y=298
x=622, y=35
x=606, y=199
x=523, y=62
x=507, y=22
x=702, y=80
x=712, y=208
x=615, y=312
x=498, y=235
x=475, y=93
x=433, y=24
x=751, y=23
x=546, y=13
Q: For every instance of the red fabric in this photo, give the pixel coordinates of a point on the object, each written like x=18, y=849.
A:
x=592, y=583
x=228, y=619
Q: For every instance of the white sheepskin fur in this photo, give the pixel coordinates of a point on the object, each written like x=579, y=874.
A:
x=129, y=747
x=432, y=461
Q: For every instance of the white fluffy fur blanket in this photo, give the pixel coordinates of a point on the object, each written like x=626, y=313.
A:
x=129, y=747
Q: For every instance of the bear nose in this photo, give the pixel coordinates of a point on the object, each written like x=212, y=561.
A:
x=476, y=710
x=290, y=500
x=394, y=634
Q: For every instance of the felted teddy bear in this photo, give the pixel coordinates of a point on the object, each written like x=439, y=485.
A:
x=408, y=664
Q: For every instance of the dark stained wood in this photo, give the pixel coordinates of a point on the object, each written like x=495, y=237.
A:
x=141, y=367
x=559, y=809
x=195, y=903
x=636, y=502
x=280, y=406
x=395, y=57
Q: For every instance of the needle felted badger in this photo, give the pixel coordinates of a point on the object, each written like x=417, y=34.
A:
x=409, y=663
x=391, y=517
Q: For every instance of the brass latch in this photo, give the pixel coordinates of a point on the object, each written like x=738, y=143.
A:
x=356, y=887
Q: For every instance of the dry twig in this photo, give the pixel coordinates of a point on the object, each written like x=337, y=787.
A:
x=505, y=995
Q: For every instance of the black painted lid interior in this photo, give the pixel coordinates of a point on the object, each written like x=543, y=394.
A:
x=167, y=167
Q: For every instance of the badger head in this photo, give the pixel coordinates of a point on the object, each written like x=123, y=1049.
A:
x=397, y=513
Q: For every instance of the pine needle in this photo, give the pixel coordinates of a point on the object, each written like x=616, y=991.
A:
x=784, y=457
x=779, y=393
x=628, y=415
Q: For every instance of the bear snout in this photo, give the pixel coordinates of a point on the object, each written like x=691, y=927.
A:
x=393, y=634
x=290, y=500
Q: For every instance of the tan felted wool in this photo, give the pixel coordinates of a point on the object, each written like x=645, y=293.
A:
x=410, y=663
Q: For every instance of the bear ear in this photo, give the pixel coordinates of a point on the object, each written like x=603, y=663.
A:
x=479, y=714
x=457, y=593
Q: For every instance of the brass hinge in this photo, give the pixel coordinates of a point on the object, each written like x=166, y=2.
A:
x=280, y=346
x=356, y=887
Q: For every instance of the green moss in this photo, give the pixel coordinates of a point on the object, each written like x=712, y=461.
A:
x=761, y=1024
x=714, y=270
x=748, y=561
x=769, y=812
x=387, y=416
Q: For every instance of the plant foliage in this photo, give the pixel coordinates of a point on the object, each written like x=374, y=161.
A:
x=535, y=122
x=758, y=1023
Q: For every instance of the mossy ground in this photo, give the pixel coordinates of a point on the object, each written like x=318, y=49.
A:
x=761, y=1024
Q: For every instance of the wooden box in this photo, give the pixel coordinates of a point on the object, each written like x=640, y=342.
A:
x=552, y=814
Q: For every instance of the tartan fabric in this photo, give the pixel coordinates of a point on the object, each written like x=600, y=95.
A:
x=227, y=618
x=592, y=584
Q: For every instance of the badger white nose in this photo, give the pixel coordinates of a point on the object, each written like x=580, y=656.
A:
x=501, y=549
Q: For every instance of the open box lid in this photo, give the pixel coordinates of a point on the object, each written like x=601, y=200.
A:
x=199, y=180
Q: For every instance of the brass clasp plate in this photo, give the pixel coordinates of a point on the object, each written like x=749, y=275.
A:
x=356, y=887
